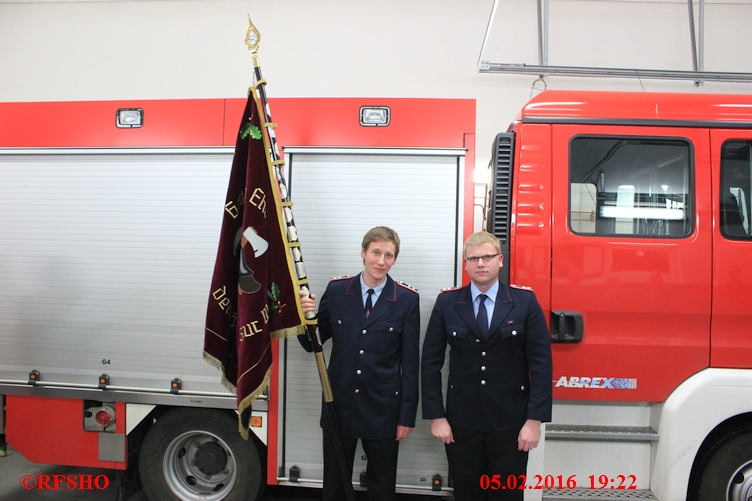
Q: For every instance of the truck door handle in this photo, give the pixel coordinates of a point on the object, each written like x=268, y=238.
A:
x=566, y=326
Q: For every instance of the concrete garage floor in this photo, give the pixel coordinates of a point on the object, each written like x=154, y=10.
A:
x=14, y=468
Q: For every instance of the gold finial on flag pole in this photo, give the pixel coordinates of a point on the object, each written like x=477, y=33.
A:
x=252, y=37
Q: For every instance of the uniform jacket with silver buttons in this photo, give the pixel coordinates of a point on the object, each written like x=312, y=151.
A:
x=494, y=384
x=374, y=364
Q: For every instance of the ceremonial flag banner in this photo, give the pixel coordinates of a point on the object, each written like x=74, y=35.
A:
x=254, y=294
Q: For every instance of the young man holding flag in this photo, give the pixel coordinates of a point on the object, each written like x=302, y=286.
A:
x=374, y=324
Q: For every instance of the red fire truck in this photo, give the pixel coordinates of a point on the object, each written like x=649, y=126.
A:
x=110, y=222
x=627, y=213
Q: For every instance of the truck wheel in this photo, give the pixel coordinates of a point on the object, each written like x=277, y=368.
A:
x=728, y=474
x=193, y=455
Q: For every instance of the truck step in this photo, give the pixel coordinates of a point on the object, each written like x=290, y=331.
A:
x=601, y=433
x=602, y=494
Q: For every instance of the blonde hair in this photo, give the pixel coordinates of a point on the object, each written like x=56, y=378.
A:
x=480, y=238
x=381, y=234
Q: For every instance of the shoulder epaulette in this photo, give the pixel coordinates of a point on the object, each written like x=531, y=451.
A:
x=343, y=277
x=408, y=287
x=449, y=289
x=521, y=287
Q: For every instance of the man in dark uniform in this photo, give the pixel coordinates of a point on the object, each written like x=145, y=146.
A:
x=374, y=324
x=500, y=371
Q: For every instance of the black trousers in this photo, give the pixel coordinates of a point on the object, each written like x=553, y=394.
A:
x=474, y=454
x=381, y=472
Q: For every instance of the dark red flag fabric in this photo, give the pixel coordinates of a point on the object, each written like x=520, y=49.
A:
x=254, y=296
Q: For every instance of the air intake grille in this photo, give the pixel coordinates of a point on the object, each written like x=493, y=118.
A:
x=500, y=196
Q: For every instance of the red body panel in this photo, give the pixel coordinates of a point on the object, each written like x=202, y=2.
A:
x=530, y=244
x=415, y=123
x=611, y=106
x=51, y=431
x=732, y=281
x=272, y=442
x=89, y=124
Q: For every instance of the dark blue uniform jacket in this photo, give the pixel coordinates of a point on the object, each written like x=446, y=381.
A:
x=496, y=384
x=374, y=364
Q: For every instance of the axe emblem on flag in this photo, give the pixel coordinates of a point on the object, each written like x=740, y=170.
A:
x=258, y=244
x=246, y=283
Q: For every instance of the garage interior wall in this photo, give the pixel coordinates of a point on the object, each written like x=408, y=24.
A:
x=61, y=50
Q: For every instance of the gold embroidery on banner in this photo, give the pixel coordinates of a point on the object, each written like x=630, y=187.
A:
x=231, y=207
x=258, y=200
x=249, y=329
x=224, y=303
x=252, y=328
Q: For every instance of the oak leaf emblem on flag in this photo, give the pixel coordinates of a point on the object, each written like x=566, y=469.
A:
x=276, y=305
x=250, y=130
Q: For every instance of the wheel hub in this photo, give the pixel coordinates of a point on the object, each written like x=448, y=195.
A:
x=199, y=467
x=210, y=458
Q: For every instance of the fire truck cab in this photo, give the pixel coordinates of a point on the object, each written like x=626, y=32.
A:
x=628, y=213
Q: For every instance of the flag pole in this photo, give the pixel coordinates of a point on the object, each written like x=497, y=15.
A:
x=252, y=40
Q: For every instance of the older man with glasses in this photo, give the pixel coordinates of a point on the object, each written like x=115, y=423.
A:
x=500, y=370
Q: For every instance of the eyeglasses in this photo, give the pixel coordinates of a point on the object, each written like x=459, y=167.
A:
x=486, y=258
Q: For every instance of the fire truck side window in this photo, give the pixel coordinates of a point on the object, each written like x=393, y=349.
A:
x=736, y=171
x=630, y=186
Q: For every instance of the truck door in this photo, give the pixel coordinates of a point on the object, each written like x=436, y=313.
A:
x=631, y=260
x=732, y=244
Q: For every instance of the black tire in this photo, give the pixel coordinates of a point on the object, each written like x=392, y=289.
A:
x=198, y=454
x=727, y=474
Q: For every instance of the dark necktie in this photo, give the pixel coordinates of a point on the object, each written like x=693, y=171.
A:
x=482, y=317
x=369, y=305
